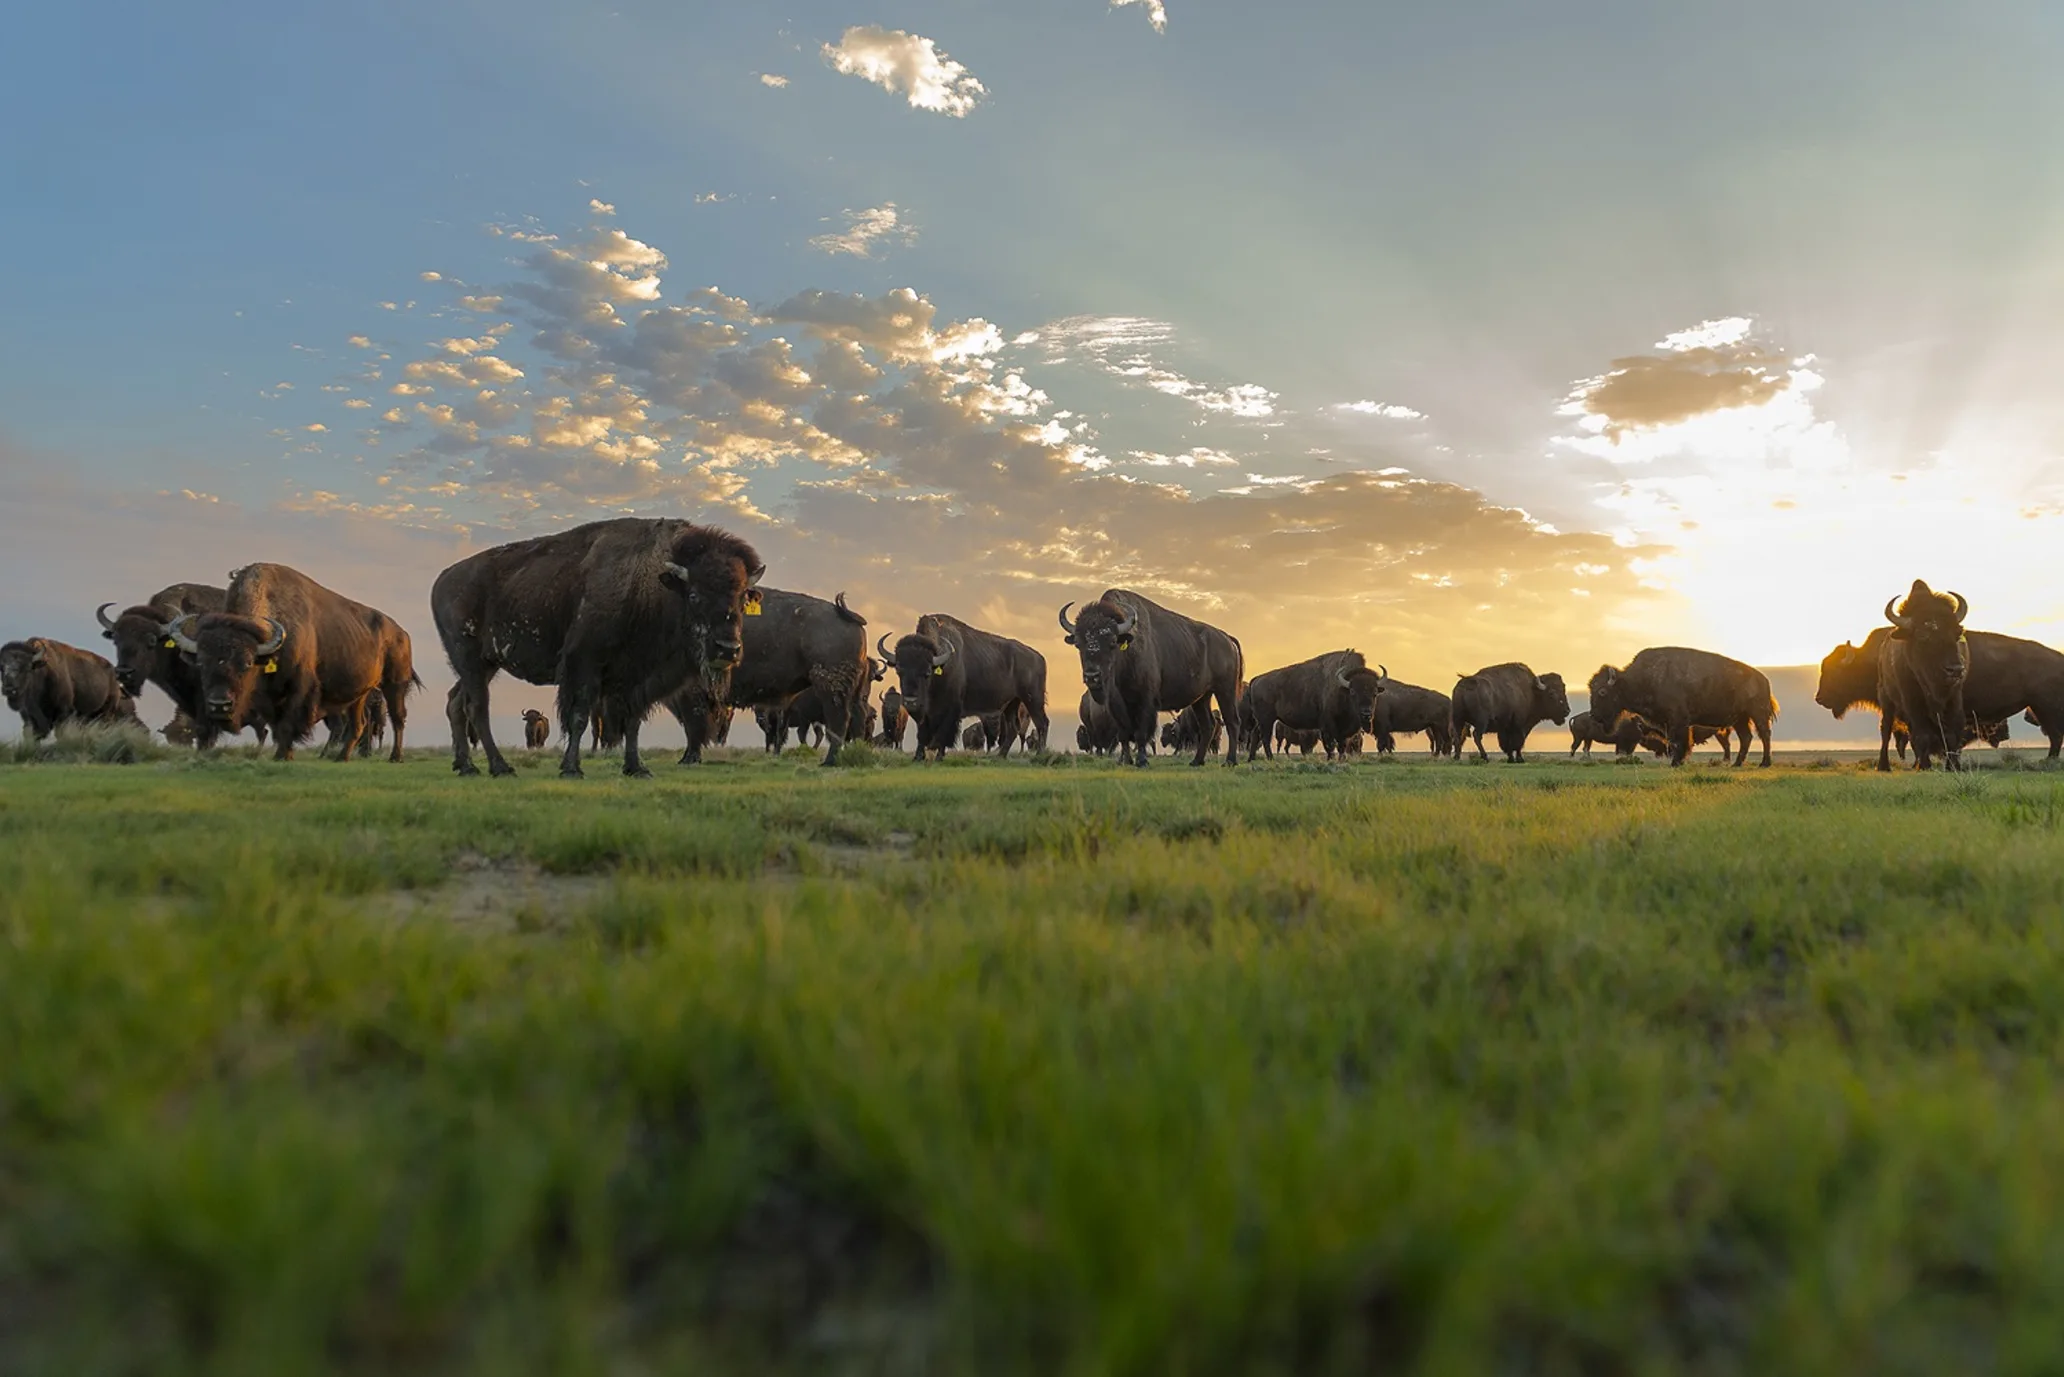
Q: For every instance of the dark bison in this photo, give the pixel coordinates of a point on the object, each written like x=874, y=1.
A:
x=1140, y=660
x=1679, y=689
x=893, y=720
x=1015, y=723
x=1098, y=733
x=1320, y=694
x=2008, y=674
x=1402, y=709
x=808, y=714
x=804, y=664
x=948, y=670
x=375, y=710
x=1181, y=734
x=1305, y=739
x=973, y=739
x=1509, y=701
x=50, y=683
x=1923, y=666
x=624, y=612
x=1625, y=736
x=144, y=654
x=288, y=652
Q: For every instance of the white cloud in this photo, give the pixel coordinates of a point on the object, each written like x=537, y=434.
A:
x=430, y=277
x=907, y=65
x=1389, y=411
x=600, y=207
x=865, y=230
x=770, y=79
x=1127, y=347
x=711, y=198
x=316, y=428
x=1157, y=12
x=358, y=404
x=359, y=342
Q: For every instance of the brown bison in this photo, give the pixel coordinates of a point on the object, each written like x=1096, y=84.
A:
x=894, y=720
x=537, y=729
x=288, y=652
x=144, y=654
x=804, y=665
x=948, y=670
x=50, y=683
x=375, y=710
x=623, y=612
x=1509, y=701
x=2008, y=674
x=1923, y=666
x=1679, y=689
x=1140, y=660
x=1402, y=709
x=1626, y=736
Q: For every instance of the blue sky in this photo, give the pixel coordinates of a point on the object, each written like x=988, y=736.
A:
x=1670, y=323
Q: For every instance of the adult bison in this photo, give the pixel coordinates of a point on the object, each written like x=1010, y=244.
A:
x=50, y=683
x=1333, y=694
x=1923, y=666
x=288, y=652
x=144, y=654
x=1509, y=701
x=948, y=670
x=809, y=714
x=796, y=648
x=1679, y=689
x=626, y=611
x=1140, y=660
x=2008, y=675
x=1402, y=709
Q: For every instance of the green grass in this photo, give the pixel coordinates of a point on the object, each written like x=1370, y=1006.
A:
x=1048, y=1067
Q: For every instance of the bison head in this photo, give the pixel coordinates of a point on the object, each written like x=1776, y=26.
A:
x=716, y=576
x=1551, y=699
x=1932, y=625
x=921, y=660
x=1605, y=696
x=1361, y=685
x=139, y=639
x=1849, y=676
x=1100, y=635
x=231, y=652
x=18, y=660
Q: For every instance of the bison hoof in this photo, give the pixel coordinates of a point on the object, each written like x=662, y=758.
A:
x=501, y=769
x=464, y=767
x=575, y=772
x=638, y=772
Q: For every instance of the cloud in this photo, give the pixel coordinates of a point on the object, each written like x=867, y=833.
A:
x=1157, y=12
x=600, y=207
x=1389, y=411
x=359, y=342
x=770, y=79
x=864, y=230
x=1713, y=367
x=904, y=64
x=1127, y=346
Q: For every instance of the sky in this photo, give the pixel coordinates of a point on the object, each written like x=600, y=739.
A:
x=1456, y=334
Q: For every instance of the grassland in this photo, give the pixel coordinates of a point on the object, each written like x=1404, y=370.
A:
x=1040, y=1067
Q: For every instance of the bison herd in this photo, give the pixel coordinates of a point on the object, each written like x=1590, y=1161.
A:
x=629, y=615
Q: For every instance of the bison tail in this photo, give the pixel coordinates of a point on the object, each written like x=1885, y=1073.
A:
x=415, y=680
x=1773, y=706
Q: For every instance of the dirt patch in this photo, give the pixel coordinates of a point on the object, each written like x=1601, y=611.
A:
x=497, y=895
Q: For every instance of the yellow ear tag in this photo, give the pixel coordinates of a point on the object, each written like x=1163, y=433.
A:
x=272, y=666
x=752, y=609
x=171, y=644
x=938, y=671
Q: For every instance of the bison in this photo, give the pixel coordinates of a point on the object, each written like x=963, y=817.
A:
x=1509, y=701
x=1625, y=736
x=1305, y=739
x=50, y=683
x=1679, y=689
x=1922, y=669
x=144, y=654
x=1140, y=660
x=624, y=612
x=948, y=670
x=2008, y=674
x=804, y=664
x=893, y=720
x=1402, y=709
x=537, y=729
x=288, y=652
x=375, y=710
x=1181, y=734
x=1098, y=733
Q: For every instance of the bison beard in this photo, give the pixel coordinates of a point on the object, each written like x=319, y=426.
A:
x=1922, y=669
x=1140, y=660
x=622, y=612
x=1509, y=700
x=1680, y=689
x=289, y=652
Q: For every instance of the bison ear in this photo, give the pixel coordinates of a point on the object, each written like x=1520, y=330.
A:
x=1125, y=642
x=1069, y=639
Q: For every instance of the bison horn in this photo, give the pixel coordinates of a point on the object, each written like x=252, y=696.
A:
x=883, y=646
x=945, y=654
x=759, y=572
x=176, y=629
x=1067, y=625
x=1382, y=672
x=279, y=638
x=1131, y=622
x=1962, y=607
x=880, y=671
x=101, y=613
x=1894, y=617
x=1541, y=683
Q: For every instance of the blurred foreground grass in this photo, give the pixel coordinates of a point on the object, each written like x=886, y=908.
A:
x=1040, y=1067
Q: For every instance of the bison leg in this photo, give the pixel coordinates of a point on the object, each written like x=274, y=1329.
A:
x=396, y=692
x=461, y=723
x=1886, y=730
x=350, y=727
x=633, y=767
x=839, y=688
